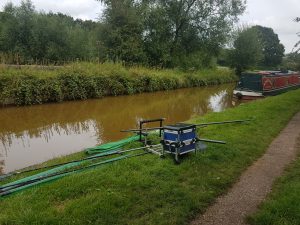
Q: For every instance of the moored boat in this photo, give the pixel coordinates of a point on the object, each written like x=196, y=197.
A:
x=254, y=85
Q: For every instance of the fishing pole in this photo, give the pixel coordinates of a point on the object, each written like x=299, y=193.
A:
x=3, y=177
x=11, y=188
x=211, y=141
x=200, y=124
x=143, y=129
x=223, y=122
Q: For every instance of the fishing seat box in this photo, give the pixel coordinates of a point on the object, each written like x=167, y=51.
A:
x=179, y=136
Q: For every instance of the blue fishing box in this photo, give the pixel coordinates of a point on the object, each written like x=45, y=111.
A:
x=179, y=139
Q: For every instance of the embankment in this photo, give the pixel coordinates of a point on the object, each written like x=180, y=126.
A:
x=30, y=85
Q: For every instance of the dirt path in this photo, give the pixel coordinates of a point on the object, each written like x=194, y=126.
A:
x=256, y=182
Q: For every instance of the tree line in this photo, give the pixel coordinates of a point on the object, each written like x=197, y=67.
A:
x=168, y=33
x=186, y=34
x=27, y=35
x=259, y=47
x=254, y=47
x=161, y=33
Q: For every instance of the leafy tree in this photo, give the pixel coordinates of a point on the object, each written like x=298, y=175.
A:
x=224, y=57
x=26, y=35
x=172, y=31
x=122, y=31
x=16, y=24
x=165, y=33
x=191, y=27
x=8, y=29
x=247, y=52
x=292, y=61
x=273, y=50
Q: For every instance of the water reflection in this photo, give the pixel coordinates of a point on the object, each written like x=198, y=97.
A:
x=220, y=101
x=46, y=133
x=30, y=135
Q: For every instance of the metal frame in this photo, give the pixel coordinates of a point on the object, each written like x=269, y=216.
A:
x=142, y=122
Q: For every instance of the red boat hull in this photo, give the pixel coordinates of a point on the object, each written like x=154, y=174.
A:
x=266, y=83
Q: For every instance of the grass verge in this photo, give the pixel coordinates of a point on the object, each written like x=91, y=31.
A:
x=149, y=190
x=34, y=85
x=282, y=206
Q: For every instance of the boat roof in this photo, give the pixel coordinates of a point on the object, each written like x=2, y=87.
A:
x=271, y=72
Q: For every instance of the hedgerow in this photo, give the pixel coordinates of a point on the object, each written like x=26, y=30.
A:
x=31, y=85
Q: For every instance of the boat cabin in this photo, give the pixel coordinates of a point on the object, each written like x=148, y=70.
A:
x=264, y=83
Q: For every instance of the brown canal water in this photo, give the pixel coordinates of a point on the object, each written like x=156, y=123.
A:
x=33, y=134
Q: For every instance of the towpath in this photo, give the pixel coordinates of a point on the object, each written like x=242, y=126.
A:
x=256, y=182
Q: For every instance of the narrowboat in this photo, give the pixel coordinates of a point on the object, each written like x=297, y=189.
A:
x=254, y=85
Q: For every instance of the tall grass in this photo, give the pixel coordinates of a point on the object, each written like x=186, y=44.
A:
x=35, y=85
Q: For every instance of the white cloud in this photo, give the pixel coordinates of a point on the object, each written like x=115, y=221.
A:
x=83, y=9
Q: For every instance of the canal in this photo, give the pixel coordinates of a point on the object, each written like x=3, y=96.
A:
x=33, y=134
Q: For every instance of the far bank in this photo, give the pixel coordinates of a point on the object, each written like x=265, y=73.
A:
x=79, y=81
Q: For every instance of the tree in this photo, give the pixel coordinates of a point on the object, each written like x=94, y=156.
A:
x=165, y=33
x=8, y=29
x=256, y=46
x=170, y=31
x=273, y=50
x=16, y=24
x=30, y=36
x=292, y=61
x=123, y=30
x=224, y=58
x=247, y=52
x=24, y=15
x=192, y=28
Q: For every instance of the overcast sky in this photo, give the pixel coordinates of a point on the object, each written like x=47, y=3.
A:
x=277, y=14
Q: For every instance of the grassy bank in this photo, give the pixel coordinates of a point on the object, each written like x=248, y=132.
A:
x=283, y=205
x=150, y=190
x=36, y=85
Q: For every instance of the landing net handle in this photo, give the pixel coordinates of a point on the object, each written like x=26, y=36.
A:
x=142, y=122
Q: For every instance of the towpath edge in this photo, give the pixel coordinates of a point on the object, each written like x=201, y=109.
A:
x=256, y=182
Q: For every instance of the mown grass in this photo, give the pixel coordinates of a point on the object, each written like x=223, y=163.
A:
x=150, y=190
x=282, y=206
x=31, y=85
